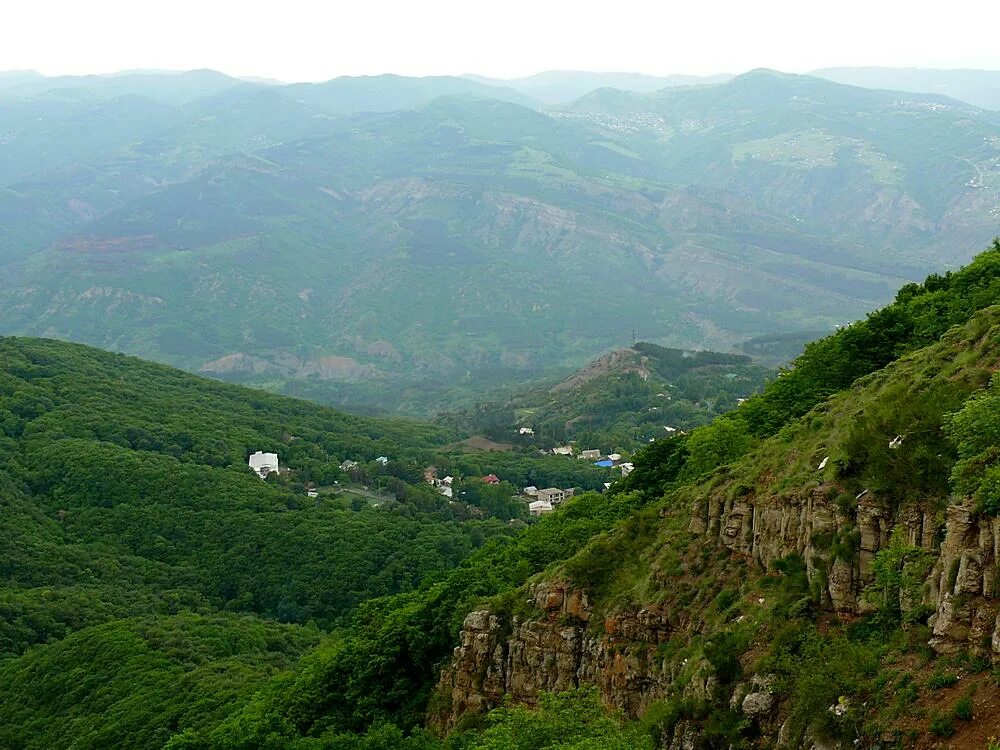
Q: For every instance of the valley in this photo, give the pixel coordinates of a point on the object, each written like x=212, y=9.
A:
x=364, y=241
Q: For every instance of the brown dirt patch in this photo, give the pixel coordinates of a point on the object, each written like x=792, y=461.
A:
x=480, y=443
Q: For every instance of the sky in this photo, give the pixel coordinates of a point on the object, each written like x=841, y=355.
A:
x=299, y=40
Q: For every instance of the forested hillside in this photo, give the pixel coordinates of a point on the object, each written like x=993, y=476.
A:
x=620, y=401
x=141, y=549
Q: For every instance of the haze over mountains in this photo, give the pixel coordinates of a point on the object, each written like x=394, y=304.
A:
x=553, y=87
x=979, y=87
x=433, y=238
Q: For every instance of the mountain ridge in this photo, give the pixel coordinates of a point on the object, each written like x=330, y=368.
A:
x=435, y=233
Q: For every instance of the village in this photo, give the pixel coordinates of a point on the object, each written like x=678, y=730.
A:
x=538, y=501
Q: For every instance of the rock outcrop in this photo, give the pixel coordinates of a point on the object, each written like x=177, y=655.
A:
x=965, y=584
x=556, y=652
x=765, y=530
x=560, y=645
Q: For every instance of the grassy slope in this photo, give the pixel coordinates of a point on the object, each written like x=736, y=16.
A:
x=881, y=669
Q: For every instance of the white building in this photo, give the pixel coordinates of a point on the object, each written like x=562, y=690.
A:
x=563, y=450
x=526, y=431
x=263, y=463
x=531, y=491
x=590, y=455
x=626, y=469
x=539, y=508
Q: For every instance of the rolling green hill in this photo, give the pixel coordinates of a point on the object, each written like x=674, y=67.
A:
x=417, y=259
x=620, y=401
x=126, y=492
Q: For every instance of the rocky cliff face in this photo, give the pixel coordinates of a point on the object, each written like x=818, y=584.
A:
x=764, y=530
x=562, y=646
x=964, y=586
x=556, y=652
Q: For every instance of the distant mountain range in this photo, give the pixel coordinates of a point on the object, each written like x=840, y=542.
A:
x=978, y=87
x=562, y=86
x=407, y=244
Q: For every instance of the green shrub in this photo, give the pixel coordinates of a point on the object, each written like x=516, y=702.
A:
x=940, y=680
x=963, y=709
x=723, y=652
x=942, y=726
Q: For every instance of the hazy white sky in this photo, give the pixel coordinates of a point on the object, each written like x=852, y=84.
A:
x=303, y=40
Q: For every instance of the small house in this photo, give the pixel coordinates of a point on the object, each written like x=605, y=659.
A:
x=382, y=460
x=626, y=468
x=590, y=455
x=530, y=491
x=526, y=431
x=563, y=450
x=491, y=479
x=615, y=457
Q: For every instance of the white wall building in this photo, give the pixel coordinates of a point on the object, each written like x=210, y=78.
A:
x=263, y=463
x=539, y=508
